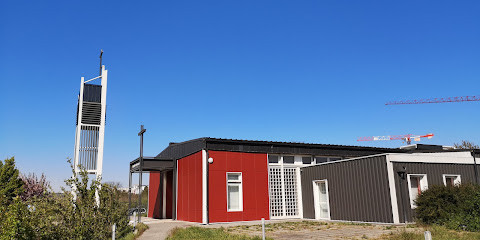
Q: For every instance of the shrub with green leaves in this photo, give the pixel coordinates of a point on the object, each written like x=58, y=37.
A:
x=65, y=216
x=456, y=207
x=40, y=213
x=14, y=221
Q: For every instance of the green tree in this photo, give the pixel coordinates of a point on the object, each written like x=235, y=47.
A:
x=13, y=211
x=10, y=183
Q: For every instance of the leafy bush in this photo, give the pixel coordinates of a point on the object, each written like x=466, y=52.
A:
x=43, y=214
x=65, y=216
x=456, y=207
x=14, y=222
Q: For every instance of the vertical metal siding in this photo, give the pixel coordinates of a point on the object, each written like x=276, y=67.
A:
x=154, y=195
x=434, y=173
x=358, y=190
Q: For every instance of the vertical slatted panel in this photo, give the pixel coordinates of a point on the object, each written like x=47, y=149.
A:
x=89, y=147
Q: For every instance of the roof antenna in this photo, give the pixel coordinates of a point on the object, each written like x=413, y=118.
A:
x=101, y=53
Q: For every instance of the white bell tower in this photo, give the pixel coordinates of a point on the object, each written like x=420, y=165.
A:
x=90, y=130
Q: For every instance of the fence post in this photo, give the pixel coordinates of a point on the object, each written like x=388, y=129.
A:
x=263, y=228
x=135, y=219
x=113, y=230
x=428, y=235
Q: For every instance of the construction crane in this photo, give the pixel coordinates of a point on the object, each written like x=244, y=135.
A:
x=437, y=100
x=407, y=138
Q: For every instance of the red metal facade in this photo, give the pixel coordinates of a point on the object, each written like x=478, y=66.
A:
x=189, y=202
x=169, y=194
x=254, y=168
x=154, y=196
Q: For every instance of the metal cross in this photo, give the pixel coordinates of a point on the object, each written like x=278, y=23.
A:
x=142, y=131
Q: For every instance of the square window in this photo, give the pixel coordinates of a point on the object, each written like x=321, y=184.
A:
x=273, y=159
x=332, y=159
x=319, y=160
x=233, y=177
x=307, y=160
x=451, y=180
x=288, y=159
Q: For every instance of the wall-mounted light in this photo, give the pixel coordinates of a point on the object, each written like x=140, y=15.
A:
x=210, y=160
x=401, y=172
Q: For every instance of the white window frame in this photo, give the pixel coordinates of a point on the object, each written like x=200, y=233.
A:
x=315, y=160
x=299, y=160
x=423, y=187
x=240, y=193
x=277, y=163
x=329, y=159
x=316, y=201
x=457, y=181
x=289, y=164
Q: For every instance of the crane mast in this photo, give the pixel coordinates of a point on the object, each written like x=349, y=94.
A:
x=436, y=100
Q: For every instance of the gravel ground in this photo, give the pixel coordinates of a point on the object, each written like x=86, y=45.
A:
x=278, y=229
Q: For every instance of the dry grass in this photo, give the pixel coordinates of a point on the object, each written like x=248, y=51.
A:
x=295, y=226
x=140, y=229
x=207, y=233
x=438, y=233
x=312, y=230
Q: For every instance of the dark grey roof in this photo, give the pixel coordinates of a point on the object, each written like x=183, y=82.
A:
x=182, y=149
x=151, y=164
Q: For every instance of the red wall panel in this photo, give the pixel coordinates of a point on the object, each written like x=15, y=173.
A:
x=255, y=186
x=154, y=196
x=189, y=203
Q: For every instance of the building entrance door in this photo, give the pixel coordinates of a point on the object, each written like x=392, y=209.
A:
x=320, y=196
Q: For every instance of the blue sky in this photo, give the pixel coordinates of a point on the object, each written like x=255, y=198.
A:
x=308, y=71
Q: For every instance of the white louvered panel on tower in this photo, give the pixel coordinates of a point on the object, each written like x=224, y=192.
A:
x=90, y=130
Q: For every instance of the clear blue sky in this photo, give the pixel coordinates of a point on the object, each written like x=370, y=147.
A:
x=309, y=71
